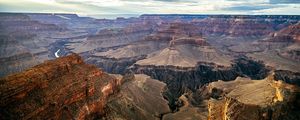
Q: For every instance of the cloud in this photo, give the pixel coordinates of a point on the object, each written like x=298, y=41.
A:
x=288, y=9
x=284, y=1
x=153, y=6
x=189, y=1
x=250, y=7
x=171, y=0
x=99, y=3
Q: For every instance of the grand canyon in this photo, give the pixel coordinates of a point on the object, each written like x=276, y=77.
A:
x=152, y=67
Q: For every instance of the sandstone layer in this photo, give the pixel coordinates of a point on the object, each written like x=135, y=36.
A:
x=245, y=99
x=65, y=88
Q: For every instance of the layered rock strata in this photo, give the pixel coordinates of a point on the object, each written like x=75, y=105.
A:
x=140, y=98
x=181, y=79
x=245, y=99
x=65, y=88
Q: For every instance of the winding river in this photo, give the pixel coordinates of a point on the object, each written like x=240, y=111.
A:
x=56, y=53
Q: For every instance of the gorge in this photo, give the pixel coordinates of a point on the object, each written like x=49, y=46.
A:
x=169, y=66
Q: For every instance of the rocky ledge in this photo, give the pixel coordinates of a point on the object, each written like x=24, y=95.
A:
x=65, y=88
x=140, y=98
x=245, y=99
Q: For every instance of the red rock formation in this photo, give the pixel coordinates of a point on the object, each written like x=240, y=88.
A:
x=292, y=52
x=22, y=22
x=189, y=40
x=287, y=40
x=65, y=88
x=238, y=27
x=291, y=33
x=171, y=31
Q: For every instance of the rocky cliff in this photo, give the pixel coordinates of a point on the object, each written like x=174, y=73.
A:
x=240, y=25
x=186, y=52
x=290, y=34
x=245, y=99
x=282, y=39
x=182, y=79
x=280, y=49
x=140, y=98
x=65, y=88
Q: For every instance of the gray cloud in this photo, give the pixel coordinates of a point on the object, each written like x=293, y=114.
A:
x=247, y=8
x=155, y=6
x=284, y=1
x=169, y=0
x=182, y=1
x=175, y=0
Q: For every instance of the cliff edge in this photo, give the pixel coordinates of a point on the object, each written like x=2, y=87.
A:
x=65, y=88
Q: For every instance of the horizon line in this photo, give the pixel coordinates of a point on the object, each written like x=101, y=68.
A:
x=143, y=14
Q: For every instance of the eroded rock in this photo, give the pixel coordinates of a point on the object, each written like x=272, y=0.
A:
x=65, y=88
x=245, y=99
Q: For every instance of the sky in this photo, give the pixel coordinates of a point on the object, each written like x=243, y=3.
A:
x=98, y=7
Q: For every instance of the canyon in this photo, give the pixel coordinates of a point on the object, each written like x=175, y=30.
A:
x=169, y=66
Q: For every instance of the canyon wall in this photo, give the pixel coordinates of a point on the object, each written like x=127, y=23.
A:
x=22, y=43
x=272, y=100
x=65, y=88
x=179, y=80
x=182, y=54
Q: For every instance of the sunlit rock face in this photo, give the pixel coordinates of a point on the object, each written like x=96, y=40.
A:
x=65, y=88
x=237, y=100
